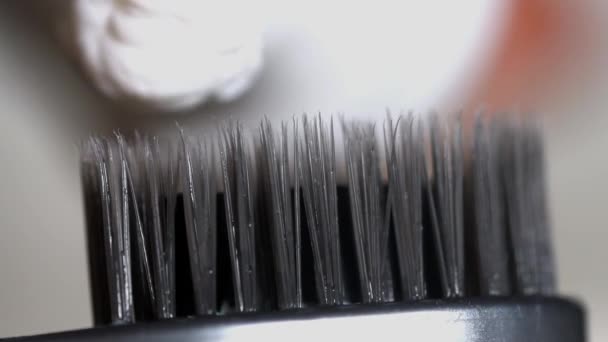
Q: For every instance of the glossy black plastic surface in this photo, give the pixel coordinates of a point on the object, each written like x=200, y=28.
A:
x=539, y=319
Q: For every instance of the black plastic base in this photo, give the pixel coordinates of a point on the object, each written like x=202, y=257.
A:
x=538, y=319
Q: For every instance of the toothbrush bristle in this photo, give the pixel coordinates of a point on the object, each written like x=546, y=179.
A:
x=260, y=222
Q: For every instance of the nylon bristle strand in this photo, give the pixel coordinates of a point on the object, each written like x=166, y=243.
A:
x=489, y=206
x=140, y=198
x=110, y=170
x=121, y=213
x=118, y=193
x=132, y=188
x=539, y=212
x=149, y=217
x=89, y=174
x=143, y=287
x=285, y=234
x=523, y=182
x=151, y=171
x=370, y=231
x=168, y=179
x=320, y=204
x=405, y=166
x=198, y=186
x=239, y=197
x=446, y=203
x=95, y=184
x=297, y=213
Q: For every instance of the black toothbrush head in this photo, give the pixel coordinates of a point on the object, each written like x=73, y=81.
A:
x=256, y=228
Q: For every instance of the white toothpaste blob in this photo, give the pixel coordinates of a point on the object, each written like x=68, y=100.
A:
x=169, y=55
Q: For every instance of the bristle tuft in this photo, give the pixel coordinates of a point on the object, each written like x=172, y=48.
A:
x=446, y=202
x=284, y=224
x=405, y=165
x=446, y=220
x=198, y=186
x=370, y=229
x=319, y=190
x=239, y=197
x=490, y=226
x=523, y=180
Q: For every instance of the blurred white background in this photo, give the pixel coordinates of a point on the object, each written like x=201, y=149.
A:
x=551, y=58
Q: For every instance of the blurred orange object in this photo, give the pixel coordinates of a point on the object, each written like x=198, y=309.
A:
x=545, y=44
